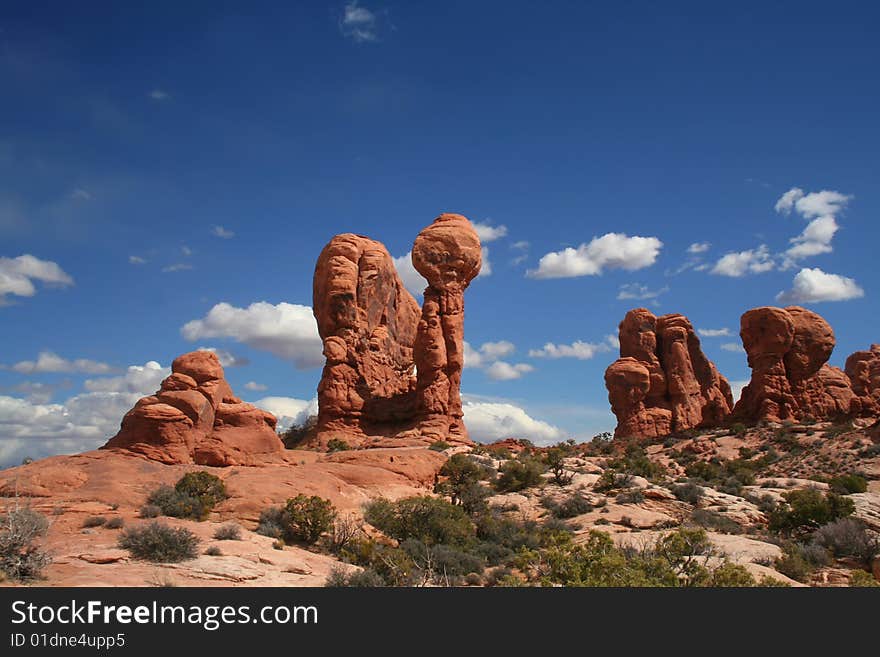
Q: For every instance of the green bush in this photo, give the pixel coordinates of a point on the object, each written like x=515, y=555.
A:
x=860, y=578
x=193, y=496
x=307, y=518
x=462, y=475
x=689, y=492
x=392, y=565
x=21, y=557
x=207, y=488
x=337, y=445
x=555, y=460
x=519, y=474
x=848, y=483
x=294, y=436
x=808, y=509
x=439, y=446
x=572, y=505
x=611, y=480
x=339, y=577
x=430, y=520
x=156, y=541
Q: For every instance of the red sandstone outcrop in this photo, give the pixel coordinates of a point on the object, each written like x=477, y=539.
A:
x=863, y=370
x=195, y=418
x=663, y=381
x=367, y=320
x=788, y=350
x=447, y=253
x=376, y=338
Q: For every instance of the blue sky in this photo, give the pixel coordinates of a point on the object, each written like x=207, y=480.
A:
x=156, y=162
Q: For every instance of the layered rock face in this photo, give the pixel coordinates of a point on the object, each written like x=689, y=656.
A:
x=788, y=350
x=863, y=370
x=368, y=321
x=376, y=338
x=447, y=253
x=195, y=418
x=663, y=381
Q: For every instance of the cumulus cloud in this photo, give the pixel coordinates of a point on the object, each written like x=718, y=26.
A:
x=577, y=349
x=734, y=347
x=17, y=276
x=504, y=371
x=412, y=279
x=256, y=387
x=140, y=380
x=487, y=422
x=489, y=233
x=714, y=333
x=222, y=233
x=48, y=361
x=289, y=410
x=820, y=208
x=611, y=251
x=786, y=202
x=814, y=240
x=751, y=261
x=287, y=330
x=814, y=204
x=359, y=23
x=815, y=285
x=699, y=247
x=488, y=358
x=638, y=291
x=136, y=260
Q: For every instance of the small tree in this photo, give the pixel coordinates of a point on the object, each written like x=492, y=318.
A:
x=555, y=460
x=21, y=557
x=461, y=472
x=308, y=517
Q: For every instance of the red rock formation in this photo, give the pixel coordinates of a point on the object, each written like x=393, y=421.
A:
x=195, y=418
x=447, y=253
x=375, y=338
x=663, y=382
x=788, y=350
x=863, y=370
x=367, y=320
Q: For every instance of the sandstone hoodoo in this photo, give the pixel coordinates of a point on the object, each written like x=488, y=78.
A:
x=195, y=418
x=393, y=370
x=788, y=350
x=663, y=382
x=863, y=370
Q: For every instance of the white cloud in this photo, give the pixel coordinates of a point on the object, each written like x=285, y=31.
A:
x=159, y=95
x=611, y=251
x=136, y=260
x=186, y=251
x=48, y=361
x=287, y=330
x=786, y=202
x=522, y=245
x=814, y=285
x=504, y=371
x=180, y=266
x=487, y=422
x=495, y=350
x=488, y=233
x=714, y=333
x=638, y=291
x=221, y=232
x=17, y=276
x=734, y=347
x=141, y=380
x=412, y=279
x=752, y=261
x=736, y=388
x=577, y=349
x=817, y=204
x=814, y=240
x=485, y=264
x=699, y=247
x=256, y=387
x=289, y=410
x=359, y=23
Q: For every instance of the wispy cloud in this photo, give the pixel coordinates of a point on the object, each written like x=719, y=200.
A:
x=221, y=232
x=159, y=95
x=359, y=23
x=180, y=266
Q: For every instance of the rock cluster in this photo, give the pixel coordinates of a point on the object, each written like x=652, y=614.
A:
x=788, y=350
x=195, y=418
x=393, y=370
x=863, y=370
x=663, y=382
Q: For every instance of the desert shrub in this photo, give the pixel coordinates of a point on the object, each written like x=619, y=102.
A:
x=345, y=529
x=21, y=557
x=474, y=498
x=473, y=579
x=635, y=462
x=573, y=505
x=115, y=523
x=611, y=479
x=150, y=511
x=808, y=509
x=439, y=446
x=519, y=474
x=441, y=564
x=555, y=461
x=716, y=521
x=94, y=521
x=632, y=496
x=838, y=429
x=848, y=537
x=860, y=578
x=738, y=429
x=155, y=541
x=497, y=575
x=430, y=520
x=272, y=522
x=307, y=518
x=214, y=551
x=230, y=532
x=337, y=445
x=727, y=476
x=392, y=565
x=870, y=452
x=461, y=475
x=689, y=492
x=203, y=486
x=798, y=561
x=848, y=483
x=175, y=504
x=731, y=575
x=367, y=578
x=295, y=435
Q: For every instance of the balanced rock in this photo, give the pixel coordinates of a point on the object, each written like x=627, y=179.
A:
x=663, y=382
x=368, y=321
x=195, y=418
x=788, y=350
x=863, y=370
